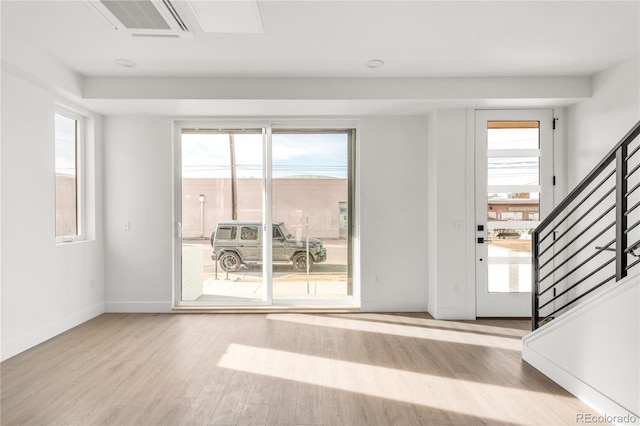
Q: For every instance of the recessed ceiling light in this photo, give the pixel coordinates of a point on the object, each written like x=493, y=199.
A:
x=375, y=63
x=125, y=63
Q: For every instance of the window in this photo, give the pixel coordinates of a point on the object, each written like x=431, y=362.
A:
x=249, y=233
x=277, y=235
x=67, y=177
x=227, y=232
x=300, y=180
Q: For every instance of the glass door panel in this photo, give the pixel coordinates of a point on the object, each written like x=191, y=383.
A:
x=513, y=165
x=311, y=205
x=512, y=170
x=221, y=256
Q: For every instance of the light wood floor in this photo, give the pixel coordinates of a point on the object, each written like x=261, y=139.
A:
x=282, y=369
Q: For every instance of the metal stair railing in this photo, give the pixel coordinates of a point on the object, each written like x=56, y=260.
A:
x=590, y=239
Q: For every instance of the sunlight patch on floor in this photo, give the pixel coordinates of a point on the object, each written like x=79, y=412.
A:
x=380, y=382
x=466, y=326
x=402, y=330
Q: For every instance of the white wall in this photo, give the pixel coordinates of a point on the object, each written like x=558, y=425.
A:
x=46, y=288
x=450, y=253
x=593, y=350
x=392, y=176
x=595, y=125
x=138, y=189
x=393, y=213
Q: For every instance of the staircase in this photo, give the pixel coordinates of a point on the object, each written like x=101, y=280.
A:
x=586, y=288
x=593, y=237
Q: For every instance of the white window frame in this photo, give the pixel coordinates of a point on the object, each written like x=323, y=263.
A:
x=268, y=124
x=81, y=231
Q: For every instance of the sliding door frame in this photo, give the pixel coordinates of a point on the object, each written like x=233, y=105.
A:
x=268, y=125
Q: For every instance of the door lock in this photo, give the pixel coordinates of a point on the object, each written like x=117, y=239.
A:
x=481, y=240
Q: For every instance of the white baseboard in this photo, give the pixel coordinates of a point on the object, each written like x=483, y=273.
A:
x=393, y=306
x=139, y=307
x=452, y=314
x=51, y=329
x=581, y=390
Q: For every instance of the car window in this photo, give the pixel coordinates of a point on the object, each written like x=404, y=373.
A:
x=249, y=233
x=227, y=232
x=276, y=233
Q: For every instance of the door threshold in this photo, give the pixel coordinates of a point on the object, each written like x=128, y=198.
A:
x=257, y=309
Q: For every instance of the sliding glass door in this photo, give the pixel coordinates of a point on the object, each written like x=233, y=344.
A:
x=221, y=193
x=310, y=189
x=265, y=215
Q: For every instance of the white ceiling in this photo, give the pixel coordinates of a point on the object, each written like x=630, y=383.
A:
x=336, y=38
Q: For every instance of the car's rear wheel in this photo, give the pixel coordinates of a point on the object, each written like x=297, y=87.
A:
x=230, y=262
x=300, y=262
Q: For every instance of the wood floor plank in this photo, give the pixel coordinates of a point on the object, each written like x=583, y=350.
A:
x=282, y=369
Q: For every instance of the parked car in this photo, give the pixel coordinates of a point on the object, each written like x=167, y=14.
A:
x=237, y=243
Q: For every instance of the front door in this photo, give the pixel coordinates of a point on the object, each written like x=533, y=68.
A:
x=514, y=178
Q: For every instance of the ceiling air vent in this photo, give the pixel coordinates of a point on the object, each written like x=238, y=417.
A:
x=151, y=18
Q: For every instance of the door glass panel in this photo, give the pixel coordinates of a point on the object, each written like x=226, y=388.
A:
x=511, y=216
x=222, y=174
x=513, y=135
x=513, y=171
x=509, y=277
x=519, y=206
x=310, y=209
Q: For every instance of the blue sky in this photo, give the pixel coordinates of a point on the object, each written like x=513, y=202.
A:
x=208, y=155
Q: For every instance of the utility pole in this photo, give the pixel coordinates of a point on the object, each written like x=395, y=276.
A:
x=234, y=189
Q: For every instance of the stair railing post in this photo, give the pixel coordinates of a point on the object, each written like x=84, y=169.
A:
x=621, y=212
x=535, y=290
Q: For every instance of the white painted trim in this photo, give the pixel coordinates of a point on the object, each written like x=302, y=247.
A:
x=392, y=306
x=267, y=124
x=15, y=346
x=506, y=304
x=138, y=307
x=582, y=390
x=80, y=176
x=471, y=216
x=459, y=314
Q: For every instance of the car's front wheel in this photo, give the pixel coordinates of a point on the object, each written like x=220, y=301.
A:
x=300, y=262
x=230, y=262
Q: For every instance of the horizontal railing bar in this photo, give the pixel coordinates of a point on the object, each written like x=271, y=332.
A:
x=574, y=239
x=632, y=208
x=632, y=190
x=584, y=183
x=578, y=251
x=584, y=262
x=581, y=296
x=631, y=247
x=632, y=227
x=582, y=217
x=635, y=169
x=577, y=206
x=634, y=263
x=636, y=149
x=577, y=283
